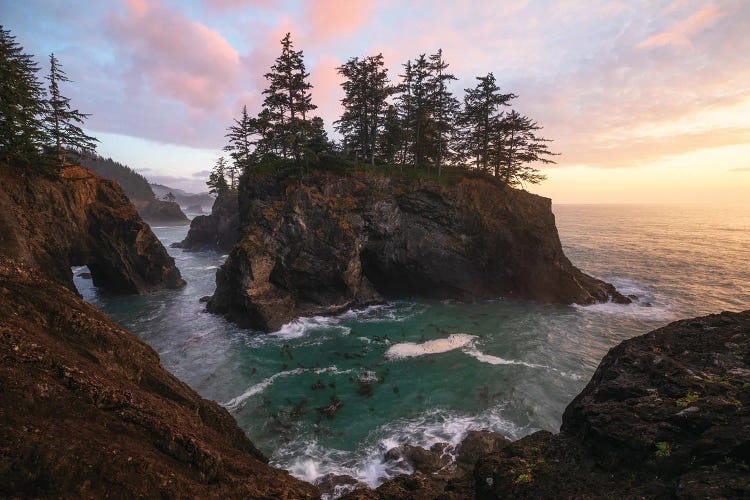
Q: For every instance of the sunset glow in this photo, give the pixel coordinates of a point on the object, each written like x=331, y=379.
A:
x=646, y=101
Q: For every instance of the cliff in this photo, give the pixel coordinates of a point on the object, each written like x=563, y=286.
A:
x=152, y=209
x=216, y=231
x=190, y=202
x=666, y=415
x=81, y=219
x=327, y=243
x=88, y=411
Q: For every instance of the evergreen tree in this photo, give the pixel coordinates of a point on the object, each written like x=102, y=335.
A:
x=217, y=182
x=481, y=120
x=365, y=92
x=135, y=185
x=420, y=116
x=392, y=137
x=516, y=146
x=318, y=141
x=170, y=197
x=240, y=144
x=62, y=121
x=445, y=108
x=406, y=113
x=22, y=105
x=288, y=101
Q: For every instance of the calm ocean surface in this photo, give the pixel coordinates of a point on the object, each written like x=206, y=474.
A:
x=507, y=366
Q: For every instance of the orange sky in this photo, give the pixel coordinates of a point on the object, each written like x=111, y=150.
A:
x=646, y=101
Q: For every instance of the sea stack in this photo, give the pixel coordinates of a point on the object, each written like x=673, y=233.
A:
x=328, y=242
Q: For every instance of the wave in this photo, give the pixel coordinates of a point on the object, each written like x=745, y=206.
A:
x=495, y=360
x=237, y=402
x=308, y=460
x=300, y=327
x=382, y=313
x=645, y=306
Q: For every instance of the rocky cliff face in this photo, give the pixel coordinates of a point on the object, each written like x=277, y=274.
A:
x=161, y=212
x=88, y=411
x=81, y=219
x=217, y=231
x=329, y=243
x=666, y=415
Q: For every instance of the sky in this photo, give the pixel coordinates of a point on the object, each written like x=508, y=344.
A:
x=646, y=101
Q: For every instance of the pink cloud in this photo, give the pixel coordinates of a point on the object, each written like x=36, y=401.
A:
x=326, y=90
x=177, y=57
x=330, y=19
x=679, y=34
x=238, y=4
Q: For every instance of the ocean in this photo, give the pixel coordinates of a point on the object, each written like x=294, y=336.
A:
x=332, y=394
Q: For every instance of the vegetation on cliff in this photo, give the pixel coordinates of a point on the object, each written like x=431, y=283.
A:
x=322, y=243
x=415, y=124
x=38, y=129
x=135, y=185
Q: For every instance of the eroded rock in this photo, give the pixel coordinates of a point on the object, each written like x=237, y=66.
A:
x=88, y=411
x=329, y=243
x=78, y=219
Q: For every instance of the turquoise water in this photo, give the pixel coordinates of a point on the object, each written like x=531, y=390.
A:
x=332, y=394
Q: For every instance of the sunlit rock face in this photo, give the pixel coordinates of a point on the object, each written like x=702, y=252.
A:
x=79, y=218
x=328, y=243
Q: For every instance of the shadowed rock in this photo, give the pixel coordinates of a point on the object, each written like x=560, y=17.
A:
x=329, y=243
x=217, y=231
x=88, y=411
x=81, y=219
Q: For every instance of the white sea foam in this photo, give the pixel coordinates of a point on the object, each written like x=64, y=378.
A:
x=261, y=386
x=475, y=353
x=302, y=326
x=437, y=346
x=645, y=306
x=382, y=313
x=309, y=460
x=235, y=403
x=472, y=351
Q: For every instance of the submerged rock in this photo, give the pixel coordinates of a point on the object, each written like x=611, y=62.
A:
x=666, y=415
x=329, y=243
x=217, y=231
x=78, y=219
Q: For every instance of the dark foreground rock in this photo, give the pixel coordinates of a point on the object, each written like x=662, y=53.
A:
x=161, y=212
x=81, y=219
x=218, y=231
x=328, y=243
x=87, y=411
x=666, y=415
